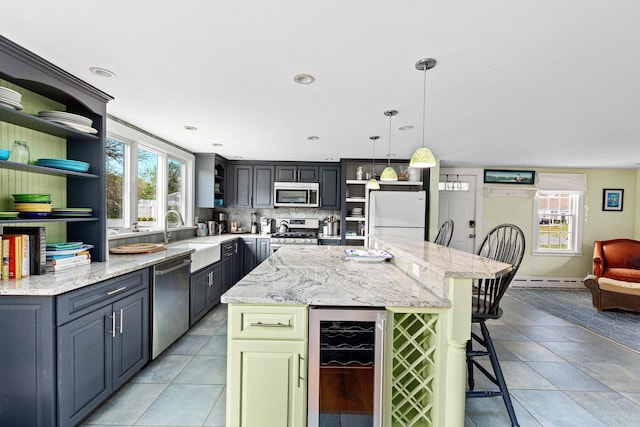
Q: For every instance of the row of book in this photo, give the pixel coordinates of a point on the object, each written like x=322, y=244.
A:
x=25, y=252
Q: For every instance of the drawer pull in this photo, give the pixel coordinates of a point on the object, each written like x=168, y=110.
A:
x=116, y=291
x=270, y=325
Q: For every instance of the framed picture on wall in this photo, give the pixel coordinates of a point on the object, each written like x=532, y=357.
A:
x=499, y=176
x=612, y=199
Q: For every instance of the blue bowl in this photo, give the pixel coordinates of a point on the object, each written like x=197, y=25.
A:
x=4, y=154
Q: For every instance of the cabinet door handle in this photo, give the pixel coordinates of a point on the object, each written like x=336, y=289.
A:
x=236, y=246
x=121, y=320
x=113, y=324
x=116, y=291
x=300, y=377
x=269, y=325
x=383, y=323
x=210, y=278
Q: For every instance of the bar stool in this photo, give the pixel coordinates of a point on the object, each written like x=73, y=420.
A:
x=503, y=243
x=444, y=233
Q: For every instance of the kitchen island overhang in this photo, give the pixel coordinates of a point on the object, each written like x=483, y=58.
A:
x=424, y=284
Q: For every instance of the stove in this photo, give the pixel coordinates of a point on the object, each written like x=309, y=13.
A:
x=301, y=232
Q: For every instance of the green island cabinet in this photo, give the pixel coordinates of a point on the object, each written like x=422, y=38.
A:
x=267, y=362
x=424, y=364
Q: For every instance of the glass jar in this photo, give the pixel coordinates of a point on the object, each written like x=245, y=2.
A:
x=20, y=152
x=359, y=173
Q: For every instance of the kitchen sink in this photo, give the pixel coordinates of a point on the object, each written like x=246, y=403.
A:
x=205, y=253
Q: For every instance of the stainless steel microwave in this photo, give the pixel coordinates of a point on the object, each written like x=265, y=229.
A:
x=296, y=194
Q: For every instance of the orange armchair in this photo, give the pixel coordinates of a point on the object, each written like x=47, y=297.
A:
x=615, y=282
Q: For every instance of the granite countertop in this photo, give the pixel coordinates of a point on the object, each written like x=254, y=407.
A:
x=68, y=280
x=418, y=276
x=322, y=275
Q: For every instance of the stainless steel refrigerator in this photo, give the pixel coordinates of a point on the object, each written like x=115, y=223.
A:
x=399, y=213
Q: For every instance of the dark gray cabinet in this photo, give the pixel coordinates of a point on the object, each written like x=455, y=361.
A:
x=296, y=173
x=231, y=262
x=206, y=288
x=262, y=186
x=64, y=355
x=103, y=340
x=27, y=361
x=252, y=186
x=242, y=186
x=329, y=242
x=254, y=251
x=264, y=249
x=330, y=187
x=210, y=170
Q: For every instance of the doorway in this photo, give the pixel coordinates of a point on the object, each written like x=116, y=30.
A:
x=458, y=201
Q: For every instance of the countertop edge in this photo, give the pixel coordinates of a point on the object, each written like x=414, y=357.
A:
x=52, y=283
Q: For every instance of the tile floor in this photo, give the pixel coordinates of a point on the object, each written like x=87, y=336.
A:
x=559, y=375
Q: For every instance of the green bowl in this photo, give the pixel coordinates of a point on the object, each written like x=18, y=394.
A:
x=32, y=198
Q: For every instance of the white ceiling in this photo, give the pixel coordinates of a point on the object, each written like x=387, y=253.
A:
x=542, y=83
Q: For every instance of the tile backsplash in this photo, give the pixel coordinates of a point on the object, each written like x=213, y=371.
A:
x=243, y=216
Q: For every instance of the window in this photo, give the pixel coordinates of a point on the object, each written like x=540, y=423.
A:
x=115, y=183
x=148, y=213
x=557, y=223
x=145, y=179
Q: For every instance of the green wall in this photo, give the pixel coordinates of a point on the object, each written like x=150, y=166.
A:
x=598, y=224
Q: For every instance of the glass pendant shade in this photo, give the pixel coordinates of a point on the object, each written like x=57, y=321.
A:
x=422, y=158
x=388, y=174
x=372, y=184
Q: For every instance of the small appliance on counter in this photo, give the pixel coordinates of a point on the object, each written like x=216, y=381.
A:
x=267, y=225
x=221, y=219
x=254, y=223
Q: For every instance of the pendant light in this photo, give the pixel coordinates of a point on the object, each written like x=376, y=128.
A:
x=389, y=174
x=423, y=157
x=373, y=183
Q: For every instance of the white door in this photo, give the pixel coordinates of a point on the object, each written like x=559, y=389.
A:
x=457, y=201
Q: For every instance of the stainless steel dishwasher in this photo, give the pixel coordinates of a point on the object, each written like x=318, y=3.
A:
x=170, y=303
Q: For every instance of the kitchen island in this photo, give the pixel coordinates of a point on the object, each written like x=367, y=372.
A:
x=426, y=291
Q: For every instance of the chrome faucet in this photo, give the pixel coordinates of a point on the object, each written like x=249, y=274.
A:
x=167, y=233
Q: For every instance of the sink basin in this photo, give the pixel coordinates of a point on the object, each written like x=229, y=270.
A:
x=205, y=253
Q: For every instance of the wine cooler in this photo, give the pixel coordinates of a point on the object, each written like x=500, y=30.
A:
x=345, y=367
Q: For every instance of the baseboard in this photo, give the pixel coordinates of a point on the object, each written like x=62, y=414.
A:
x=547, y=282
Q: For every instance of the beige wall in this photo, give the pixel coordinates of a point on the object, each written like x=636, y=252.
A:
x=598, y=224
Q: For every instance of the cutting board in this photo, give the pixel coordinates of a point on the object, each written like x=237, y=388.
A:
x=138, y=248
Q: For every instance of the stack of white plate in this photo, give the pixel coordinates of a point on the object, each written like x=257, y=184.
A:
x=10, y=98
x=356, y=212
x=81, y=123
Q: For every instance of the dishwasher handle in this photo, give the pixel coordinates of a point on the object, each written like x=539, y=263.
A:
x=184, y=263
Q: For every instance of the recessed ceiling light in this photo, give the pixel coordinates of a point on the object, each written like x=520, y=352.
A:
x=304, y=79
x=329, y=158
x=217, y=144
x=192, y=128
x=390, y=155
x=102, y=72
x=407, y=127
x=313, y=138
x=236, y=157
